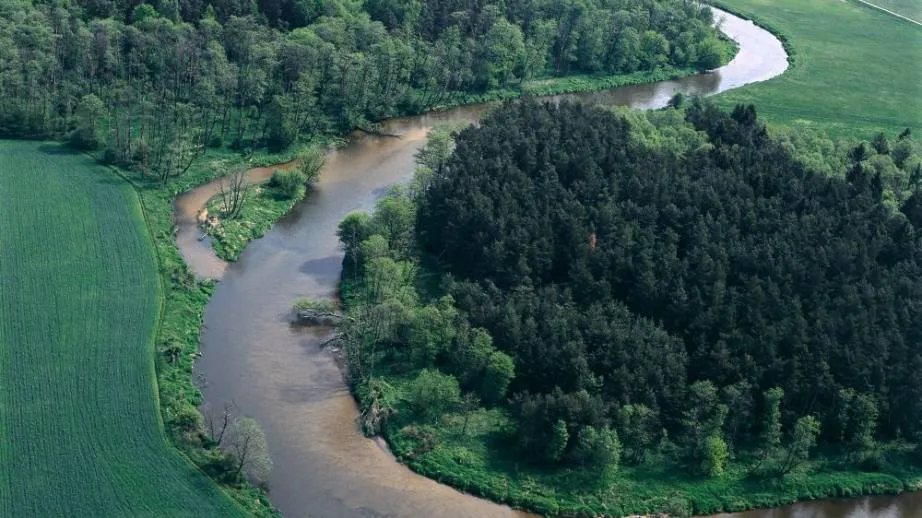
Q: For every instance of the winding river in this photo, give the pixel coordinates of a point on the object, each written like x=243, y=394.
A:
x=279, y=375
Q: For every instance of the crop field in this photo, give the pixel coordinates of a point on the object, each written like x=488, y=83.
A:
x=80, y=433
x=857, y=69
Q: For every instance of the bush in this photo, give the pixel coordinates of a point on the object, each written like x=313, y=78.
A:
x=432, y=394
x=289, y=182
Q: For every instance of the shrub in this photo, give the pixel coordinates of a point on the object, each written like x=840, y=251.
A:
x=432, y=394
x=289, y=182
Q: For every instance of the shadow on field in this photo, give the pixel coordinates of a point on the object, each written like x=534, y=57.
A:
x=56, y=149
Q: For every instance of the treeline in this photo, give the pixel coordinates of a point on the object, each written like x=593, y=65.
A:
x=669, y=283
x=155, y=83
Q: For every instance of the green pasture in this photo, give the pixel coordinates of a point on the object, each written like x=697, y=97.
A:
x=80, y=431
x=908, y=8
x=857, y=70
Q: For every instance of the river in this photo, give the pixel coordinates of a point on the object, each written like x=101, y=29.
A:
x=279, y=375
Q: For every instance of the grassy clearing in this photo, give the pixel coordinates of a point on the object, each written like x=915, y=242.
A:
x=856, y=70
x=79, y=301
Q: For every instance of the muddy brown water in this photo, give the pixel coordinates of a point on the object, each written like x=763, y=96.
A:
x=278, y=374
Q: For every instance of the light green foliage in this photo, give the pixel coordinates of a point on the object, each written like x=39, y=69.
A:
x=702, y=419
x=639, y=431
x=597, y=447
x=654, y=48
x=290, y=183
x=480, y=366
x=354, y=229
x=716, y=454
x=378, y=399
x=387, y=279
x=505, y=53
x=310, y=163
x=394, y=218
x=79, y=306
x=431, y=331
x=374, y=247
x=803, y=439
x=438, y=147
x=143, y=12
x=846, y=55
x=710, y=54
x=250, y=450
x=432, y=394
x=662, y=130
x=319, y=305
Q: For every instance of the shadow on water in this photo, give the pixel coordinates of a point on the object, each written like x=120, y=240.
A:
x=326, y=266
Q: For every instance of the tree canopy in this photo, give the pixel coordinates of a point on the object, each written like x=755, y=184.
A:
x=154, y=83
x=707, y=279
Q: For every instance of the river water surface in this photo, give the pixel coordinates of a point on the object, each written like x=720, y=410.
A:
x=280, y=376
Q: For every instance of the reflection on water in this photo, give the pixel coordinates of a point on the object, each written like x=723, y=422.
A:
x=278, y=374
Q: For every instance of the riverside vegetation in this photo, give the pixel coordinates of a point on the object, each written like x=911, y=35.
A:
x=583, y=312
x=174, y=93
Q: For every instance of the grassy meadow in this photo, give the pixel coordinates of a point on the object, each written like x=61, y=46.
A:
x=856, y=69
x=908, y=8
x=80, y=430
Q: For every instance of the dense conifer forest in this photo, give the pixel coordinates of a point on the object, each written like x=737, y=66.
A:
x=675, y=285
x=155, y=83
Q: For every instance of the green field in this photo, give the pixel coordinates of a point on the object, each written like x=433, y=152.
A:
x=908, y=8
x=857, y=69
x=80, y=431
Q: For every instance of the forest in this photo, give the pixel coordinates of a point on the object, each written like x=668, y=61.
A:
x=678, y=285
x=155, y=84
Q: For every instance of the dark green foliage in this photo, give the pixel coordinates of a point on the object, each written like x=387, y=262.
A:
x=881, y=144
x=557, y=443
x=568, y=242
x=88, y=135
x=771, y=421
x=606, y=267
